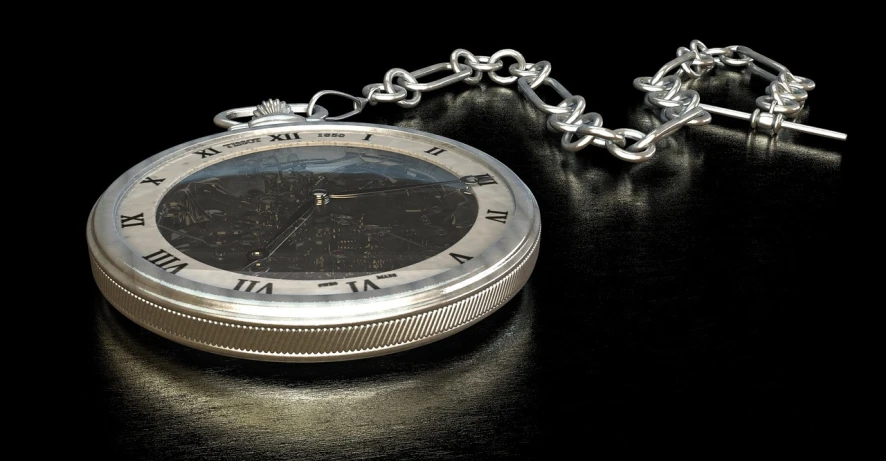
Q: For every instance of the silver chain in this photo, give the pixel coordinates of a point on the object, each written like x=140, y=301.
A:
x=666, y=95
x=786, y=94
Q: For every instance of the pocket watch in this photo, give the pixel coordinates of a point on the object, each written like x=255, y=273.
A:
x=295, y=236
x=313, y=241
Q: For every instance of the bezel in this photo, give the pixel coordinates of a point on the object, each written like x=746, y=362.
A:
x=143, y=291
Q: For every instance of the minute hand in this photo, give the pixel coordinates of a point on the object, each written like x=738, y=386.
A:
x=380, y=190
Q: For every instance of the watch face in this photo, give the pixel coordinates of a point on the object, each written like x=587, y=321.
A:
x=313, y=242
x=315, y=211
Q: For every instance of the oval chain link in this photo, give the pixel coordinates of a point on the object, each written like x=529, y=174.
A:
x=665, y=94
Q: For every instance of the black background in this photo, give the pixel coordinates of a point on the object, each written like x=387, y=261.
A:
x=689, y=305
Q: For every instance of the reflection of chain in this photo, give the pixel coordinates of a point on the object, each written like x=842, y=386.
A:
x=675, y=105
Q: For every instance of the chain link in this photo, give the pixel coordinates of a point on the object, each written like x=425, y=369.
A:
x=665, y=94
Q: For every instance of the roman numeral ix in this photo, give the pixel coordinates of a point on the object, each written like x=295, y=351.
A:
x=129, y=221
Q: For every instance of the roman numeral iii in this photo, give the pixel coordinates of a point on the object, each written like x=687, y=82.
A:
x=497, y=216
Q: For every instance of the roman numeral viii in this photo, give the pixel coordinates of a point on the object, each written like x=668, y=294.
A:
x=166, y=261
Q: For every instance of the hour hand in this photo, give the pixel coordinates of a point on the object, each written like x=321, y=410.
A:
x=302, y=215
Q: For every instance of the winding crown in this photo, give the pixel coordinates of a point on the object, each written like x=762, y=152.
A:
x=272, y=107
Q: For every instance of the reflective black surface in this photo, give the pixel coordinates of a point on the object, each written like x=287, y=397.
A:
x=257, y=213
x=690, y=306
